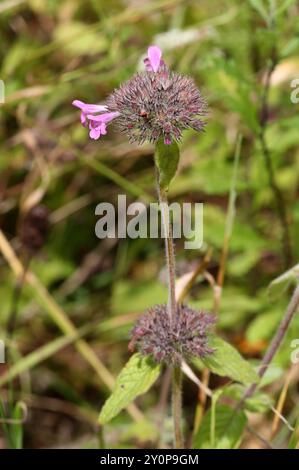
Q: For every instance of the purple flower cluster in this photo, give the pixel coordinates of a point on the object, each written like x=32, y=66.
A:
x=153, y=104
x=170, y=340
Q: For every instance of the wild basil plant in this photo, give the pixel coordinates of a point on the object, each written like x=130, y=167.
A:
x=156, y=106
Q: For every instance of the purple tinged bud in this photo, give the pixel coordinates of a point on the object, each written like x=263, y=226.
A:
x=154, y=56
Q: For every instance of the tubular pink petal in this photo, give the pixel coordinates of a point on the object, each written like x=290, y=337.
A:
x=154, y=57
x=96, y=129
x=103, y=129
x=106, y=117
x=83, y=119
x=79, y=104
x=89, y=108
x=95, y=133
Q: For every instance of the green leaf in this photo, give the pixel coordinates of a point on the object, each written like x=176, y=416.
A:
x=18, y=414
x=136, y=378
x=259, y=6
x=228, y=427
x=13, y=431
x=273, y=373
x=280, y=284
x=263, y=326
x=285, y=5
x=227, y=362
x=79, y=38
x=258, y=403
x=167, y=159
x=14, y=58
x=144, y=292
x=294, y=439
x=142, y=431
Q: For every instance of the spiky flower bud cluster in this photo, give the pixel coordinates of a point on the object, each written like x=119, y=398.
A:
x=171, y=340
x=158, y=104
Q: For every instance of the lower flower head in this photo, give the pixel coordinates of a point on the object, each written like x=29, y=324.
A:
x=171, y=340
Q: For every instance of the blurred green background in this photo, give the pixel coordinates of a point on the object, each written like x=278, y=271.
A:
x=53, y=52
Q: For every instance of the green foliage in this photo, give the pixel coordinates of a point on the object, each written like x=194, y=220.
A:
x=11, y=418
x=279, y=285
x=138, y=375
x=263, y=326
x=227, y=362
x=53, y=52
x=143, y=431
x=258, y=402
x=144, y=291
x=223, y=431
x=167, y=159
x=78, y=38
x=261, y=7
x=294, y=439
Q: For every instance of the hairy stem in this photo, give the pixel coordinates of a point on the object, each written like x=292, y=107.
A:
x=177, y=406
x=169, y=247
x=172, y=310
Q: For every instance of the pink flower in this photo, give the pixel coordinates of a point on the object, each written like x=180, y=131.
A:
x=87, y=109
x=154, y=59
x=97, y=122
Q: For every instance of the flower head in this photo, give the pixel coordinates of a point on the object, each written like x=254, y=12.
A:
x=157, y=103
x=170, y=340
